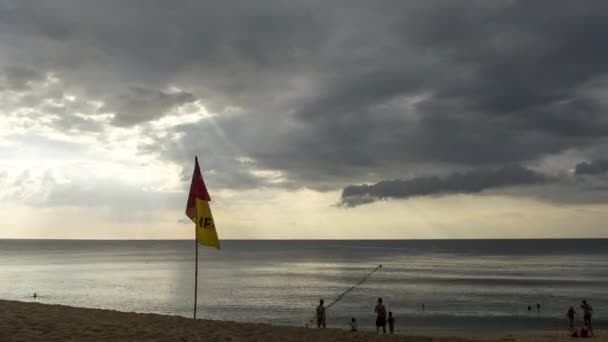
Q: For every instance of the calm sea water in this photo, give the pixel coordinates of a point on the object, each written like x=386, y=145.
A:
x=464, y=284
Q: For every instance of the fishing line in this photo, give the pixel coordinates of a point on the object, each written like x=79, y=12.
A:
x=350, y=289
x=353, y=287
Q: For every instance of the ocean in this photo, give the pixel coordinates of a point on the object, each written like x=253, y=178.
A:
x=463, y=284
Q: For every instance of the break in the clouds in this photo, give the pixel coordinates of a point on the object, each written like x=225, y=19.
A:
x=309, y=94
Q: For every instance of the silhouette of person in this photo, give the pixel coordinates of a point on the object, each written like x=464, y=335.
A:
x=570, y=314
x=587, y=313
x=321, y=318
x=391, y=322
x=380, y=311
x=353, y=324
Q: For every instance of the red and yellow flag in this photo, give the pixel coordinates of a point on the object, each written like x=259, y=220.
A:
x=199, y=212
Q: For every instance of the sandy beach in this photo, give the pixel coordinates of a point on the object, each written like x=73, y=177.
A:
x=24, y=322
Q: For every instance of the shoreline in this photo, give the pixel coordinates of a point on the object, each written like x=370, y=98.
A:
x=30, y=321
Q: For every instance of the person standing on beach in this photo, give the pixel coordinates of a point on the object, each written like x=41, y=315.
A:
x=588, y=311
x=537, y=307
x=570, y=316
x=353, y=325
x=391, y=322
x=380, y=311
x=321, y=318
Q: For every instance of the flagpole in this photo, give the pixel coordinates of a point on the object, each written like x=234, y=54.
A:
x=199, y=212
x=195, y=270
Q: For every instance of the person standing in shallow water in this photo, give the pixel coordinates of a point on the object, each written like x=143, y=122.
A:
x=570, y=314
x=588, y=311
x=321, y=318
x=391, y=322
x=380, y=311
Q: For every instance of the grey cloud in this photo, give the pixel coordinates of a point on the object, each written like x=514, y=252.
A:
x=18, y=78
x=594, y=167
x=30, y=97
x=144, y=104
x=473, y=181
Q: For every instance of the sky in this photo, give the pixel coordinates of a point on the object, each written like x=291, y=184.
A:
x=311, y=119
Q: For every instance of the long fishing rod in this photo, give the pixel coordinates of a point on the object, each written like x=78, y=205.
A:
x=350, y=289
x=354, y=286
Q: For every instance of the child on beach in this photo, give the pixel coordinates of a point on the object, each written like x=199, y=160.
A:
x=353, y=324
x=570, y=314
x=391, y=322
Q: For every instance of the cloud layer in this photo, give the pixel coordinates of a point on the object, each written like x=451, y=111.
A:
x=315, y=94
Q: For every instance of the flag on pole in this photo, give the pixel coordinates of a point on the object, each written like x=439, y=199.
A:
x=199, y=212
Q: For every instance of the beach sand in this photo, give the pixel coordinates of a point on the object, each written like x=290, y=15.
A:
x=28, y=322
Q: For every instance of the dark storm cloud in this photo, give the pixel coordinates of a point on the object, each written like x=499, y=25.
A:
x=498, y=83
x=331, y=94
x=594, y=167
x=474, y=181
